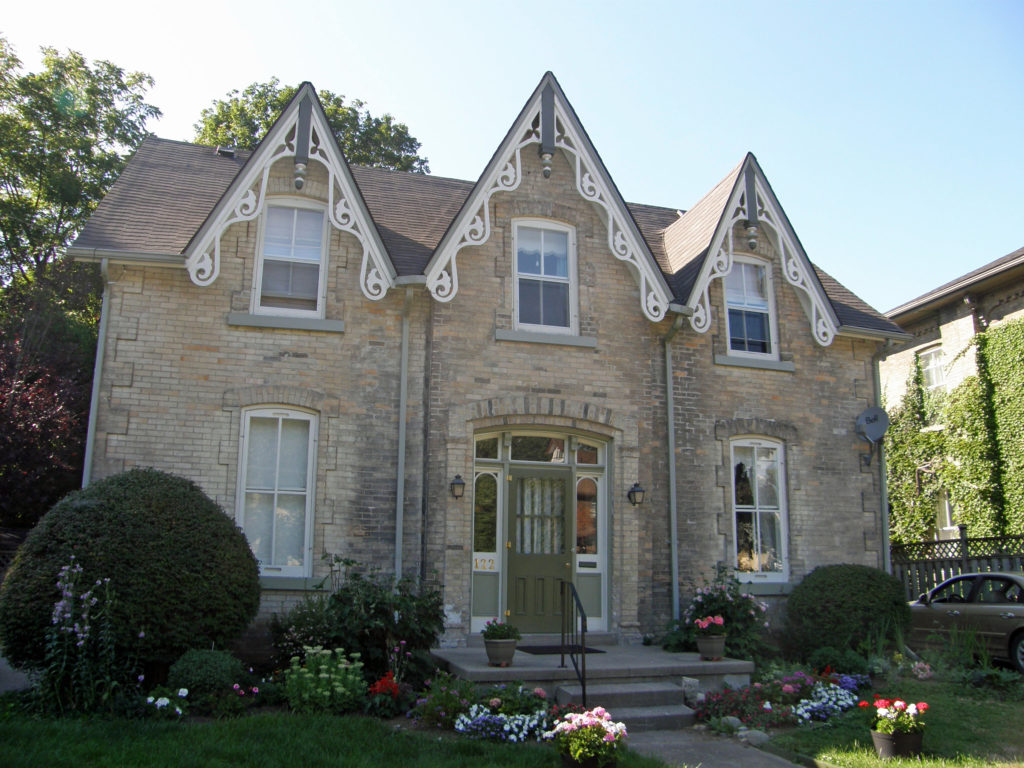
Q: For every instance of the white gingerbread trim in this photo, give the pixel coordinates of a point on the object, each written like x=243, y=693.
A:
x=473, y=226
x=795, y=265
x=247, y=197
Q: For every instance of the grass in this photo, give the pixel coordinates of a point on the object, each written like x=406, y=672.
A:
x=966, y=728
x=270, y=739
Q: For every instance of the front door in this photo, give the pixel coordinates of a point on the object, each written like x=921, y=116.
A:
x=541, y=503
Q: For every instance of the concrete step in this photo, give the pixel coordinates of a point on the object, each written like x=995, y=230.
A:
x=666, y=717
x=615, y=696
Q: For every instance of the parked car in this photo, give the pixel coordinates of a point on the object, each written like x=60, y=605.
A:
x=991, y=605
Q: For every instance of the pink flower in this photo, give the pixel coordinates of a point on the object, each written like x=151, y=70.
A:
x=540, y=693
x=494, y=703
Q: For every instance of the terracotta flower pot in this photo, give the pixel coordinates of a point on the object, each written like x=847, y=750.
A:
x=889, y=745
x=500, y=652
x=711, y=647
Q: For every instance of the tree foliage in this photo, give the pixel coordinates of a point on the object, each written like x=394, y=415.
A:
x=66, y=133
x=243, y=118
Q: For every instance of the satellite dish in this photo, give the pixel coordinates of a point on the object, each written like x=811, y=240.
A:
x=872, y=424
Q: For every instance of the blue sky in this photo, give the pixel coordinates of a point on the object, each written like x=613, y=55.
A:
x=890, y=131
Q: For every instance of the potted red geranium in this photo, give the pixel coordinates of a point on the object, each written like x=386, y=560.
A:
x=897, y=726
x=710, y=637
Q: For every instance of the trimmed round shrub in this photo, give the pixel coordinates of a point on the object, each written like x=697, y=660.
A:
x=842, y=606
x=205, y=672
x=181, y=572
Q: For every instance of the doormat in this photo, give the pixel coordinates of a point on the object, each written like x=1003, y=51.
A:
x=550, y=650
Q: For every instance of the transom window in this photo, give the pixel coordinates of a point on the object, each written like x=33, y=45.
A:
x=749, y=308
x=545, y=279
x=291, y=261
x=275, y=498
x=759, y=506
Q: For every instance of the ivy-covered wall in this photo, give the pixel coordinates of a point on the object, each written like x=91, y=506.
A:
x=969, y=441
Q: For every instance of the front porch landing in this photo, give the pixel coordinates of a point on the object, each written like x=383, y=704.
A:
x=618, y=664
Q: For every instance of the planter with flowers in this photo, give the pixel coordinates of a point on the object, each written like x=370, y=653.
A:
x=588, y=739
x=710, y=637
x=500, y=642
x=897, y=727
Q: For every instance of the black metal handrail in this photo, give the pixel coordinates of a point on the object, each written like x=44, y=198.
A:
x=574, y=634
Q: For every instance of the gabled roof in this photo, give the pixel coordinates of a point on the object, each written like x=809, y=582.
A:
x=546, y=124
x=700, y=249
x=171, y=193
x=303, y=135
x=1005, y=269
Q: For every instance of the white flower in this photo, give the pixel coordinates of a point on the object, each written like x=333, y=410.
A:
x=162, y=702
x=767, y=706
x=182, y=693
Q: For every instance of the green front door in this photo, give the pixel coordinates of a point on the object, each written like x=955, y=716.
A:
x=537, y=542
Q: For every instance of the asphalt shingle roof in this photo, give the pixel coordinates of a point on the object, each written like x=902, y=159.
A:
x=169, y=188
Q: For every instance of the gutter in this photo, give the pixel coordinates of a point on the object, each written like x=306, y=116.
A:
x=127, y=257
x=677, y=323
x=403, y=398
x=97, y=374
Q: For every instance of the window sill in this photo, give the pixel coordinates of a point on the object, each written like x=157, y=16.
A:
x=293, y=583
x=532, y=337
x=750, y=362
x=247, y=320
x=766, y=587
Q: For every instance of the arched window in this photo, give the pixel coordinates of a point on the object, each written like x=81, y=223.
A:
x=277, y=477
x=759, y=508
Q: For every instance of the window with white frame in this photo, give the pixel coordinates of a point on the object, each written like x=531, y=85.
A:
x=749, y=308
x=932, y=375
x=945, y=525
x=545, y=277
x=759, y=506
x=291, y=263
x=276, y=480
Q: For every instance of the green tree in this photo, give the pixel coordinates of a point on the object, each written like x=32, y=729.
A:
x=66, y=133
x=243, y=118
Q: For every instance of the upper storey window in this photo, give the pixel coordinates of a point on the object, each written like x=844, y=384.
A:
x=931, y=368
x=545, y=277
x=749, y=309
x=290, y=273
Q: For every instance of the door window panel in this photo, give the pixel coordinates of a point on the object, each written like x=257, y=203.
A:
x=586, y=517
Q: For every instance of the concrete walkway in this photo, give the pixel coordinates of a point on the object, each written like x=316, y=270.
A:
x=692, y=748
x=10, y=679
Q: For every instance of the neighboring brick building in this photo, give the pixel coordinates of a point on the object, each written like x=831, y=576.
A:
x=943, y=324
x=328, y=351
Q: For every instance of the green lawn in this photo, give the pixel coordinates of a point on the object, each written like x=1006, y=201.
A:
x=965, y=728
x=277, y=739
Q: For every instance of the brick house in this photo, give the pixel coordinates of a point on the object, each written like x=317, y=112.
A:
x=942, y=324
x=330, y=350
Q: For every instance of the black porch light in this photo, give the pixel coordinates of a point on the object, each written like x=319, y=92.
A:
x=636, y=494
x=458, y=487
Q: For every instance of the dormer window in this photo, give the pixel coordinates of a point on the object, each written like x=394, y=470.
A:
x=749, y=309
x=290, y=269
x=545, y=277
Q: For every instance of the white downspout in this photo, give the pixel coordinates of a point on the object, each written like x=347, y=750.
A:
x=97, y=374
x=403, y=390
x=670, y=417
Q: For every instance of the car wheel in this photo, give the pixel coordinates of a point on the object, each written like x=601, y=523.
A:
x=1017, y=651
